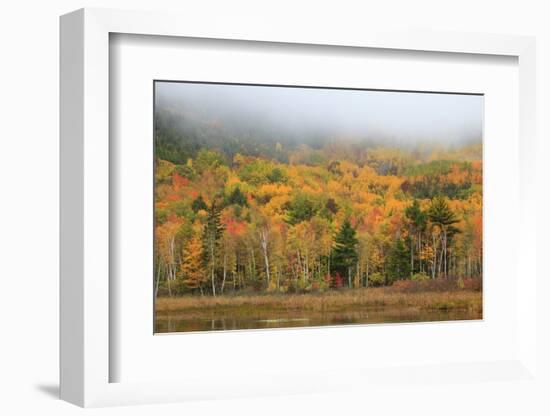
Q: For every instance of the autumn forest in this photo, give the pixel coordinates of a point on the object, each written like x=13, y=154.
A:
x=269, y=213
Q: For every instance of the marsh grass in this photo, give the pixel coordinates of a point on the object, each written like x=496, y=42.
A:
x=333, y=301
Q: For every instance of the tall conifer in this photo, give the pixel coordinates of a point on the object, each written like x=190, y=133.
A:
x=345, y=251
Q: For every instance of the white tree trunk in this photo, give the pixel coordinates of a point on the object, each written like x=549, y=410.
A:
x=158, y=279
x=412, y=255
x=224, y=272
x=264, y=234
x=434, y=266
x=213, y=275
x=445, y=253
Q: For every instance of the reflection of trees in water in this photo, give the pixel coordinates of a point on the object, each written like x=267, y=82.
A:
x=224, y=324
x=182, y=323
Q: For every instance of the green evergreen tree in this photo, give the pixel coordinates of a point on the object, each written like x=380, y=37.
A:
x=441, y=215
x=277, y=176
x=398, y=266
x=415, y=215
x=199, y=204
x=237, y=198
x=417, y=225
x=302, y=208
x=345, y=251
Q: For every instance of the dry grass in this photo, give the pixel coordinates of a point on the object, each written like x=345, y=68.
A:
x=327, y=302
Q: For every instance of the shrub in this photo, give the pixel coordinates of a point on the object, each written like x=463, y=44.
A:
x=338, y=281
x=272, y=287
x=376, y=279
x=430, y=285
x=420, y=277
x=320, y=285
x=404, y=285
x=474, y=284
x=298, y=286
x=292, y=286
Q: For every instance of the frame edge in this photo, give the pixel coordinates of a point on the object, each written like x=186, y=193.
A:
x=71, y=201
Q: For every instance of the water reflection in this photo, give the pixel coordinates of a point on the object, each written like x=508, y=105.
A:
x=226, y=321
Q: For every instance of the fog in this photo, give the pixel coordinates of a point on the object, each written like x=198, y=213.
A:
x=404, y=118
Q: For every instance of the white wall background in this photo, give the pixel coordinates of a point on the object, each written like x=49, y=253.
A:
x=29, y=206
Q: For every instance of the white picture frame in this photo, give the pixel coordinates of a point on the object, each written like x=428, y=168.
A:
x=85, y=355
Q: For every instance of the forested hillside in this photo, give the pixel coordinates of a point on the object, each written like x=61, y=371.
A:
x=241, y=210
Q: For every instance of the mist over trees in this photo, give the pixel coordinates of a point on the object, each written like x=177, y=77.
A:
x=250, y=199
x=271, y=121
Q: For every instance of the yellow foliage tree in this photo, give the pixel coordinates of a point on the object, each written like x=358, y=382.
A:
x=192, y=270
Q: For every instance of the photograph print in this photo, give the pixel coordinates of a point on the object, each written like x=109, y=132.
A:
x=290, y=206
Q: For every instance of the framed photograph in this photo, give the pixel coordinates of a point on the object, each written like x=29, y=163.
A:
x=289, y=206
x=274, y=213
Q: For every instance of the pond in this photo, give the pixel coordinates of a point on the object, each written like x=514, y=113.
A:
x=228, y=320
